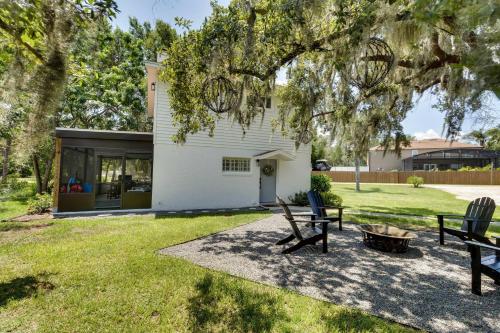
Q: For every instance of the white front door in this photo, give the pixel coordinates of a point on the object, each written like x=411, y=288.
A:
x=268, y=169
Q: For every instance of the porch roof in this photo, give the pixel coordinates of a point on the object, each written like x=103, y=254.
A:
x=277, y=154
x=103, y=135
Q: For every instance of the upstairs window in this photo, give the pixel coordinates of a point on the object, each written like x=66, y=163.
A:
x=268, y=102
x=232, y=164
x=265, y=103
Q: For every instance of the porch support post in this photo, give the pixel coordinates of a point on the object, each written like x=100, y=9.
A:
x=57, y=174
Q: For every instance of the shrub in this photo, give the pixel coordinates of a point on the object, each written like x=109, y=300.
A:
x=41, y=203
x=415, y=181
x=15, y=185
x=331, y=199
x=320, y=183
x=299, y=199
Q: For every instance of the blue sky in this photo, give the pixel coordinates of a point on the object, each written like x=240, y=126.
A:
x=423, y=121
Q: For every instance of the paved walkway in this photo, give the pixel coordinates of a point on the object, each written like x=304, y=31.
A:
x=428, y=287
x=471, y=192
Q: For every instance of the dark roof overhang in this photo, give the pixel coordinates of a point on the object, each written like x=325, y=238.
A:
x=78, y=133
x=479, y=153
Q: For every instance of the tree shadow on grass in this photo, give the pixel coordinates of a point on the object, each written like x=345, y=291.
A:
x=363, y=190
x=226, y=307
x=354, y=320
x=24, y=287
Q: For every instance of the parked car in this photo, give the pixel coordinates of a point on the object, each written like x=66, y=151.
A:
x=321, y=165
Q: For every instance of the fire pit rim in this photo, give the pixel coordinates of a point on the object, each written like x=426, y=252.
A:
x=409, y=235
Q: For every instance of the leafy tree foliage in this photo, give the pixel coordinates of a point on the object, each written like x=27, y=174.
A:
x=319, y=147
x=72, y=70
x=446, y=47
x=106, y=86
x=490, y=139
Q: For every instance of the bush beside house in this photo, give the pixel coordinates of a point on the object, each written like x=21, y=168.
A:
x=322, y=184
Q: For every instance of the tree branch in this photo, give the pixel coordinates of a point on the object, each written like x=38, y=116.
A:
x=12, y=32
x=297, y=50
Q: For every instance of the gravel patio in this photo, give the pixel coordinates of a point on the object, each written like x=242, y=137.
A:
x=427, y=287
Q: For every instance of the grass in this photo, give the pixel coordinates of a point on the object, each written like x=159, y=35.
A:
x=15, y=202
x=104, y=275
x=401, y=199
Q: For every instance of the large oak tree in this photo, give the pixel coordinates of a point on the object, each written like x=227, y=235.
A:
x=448, y=48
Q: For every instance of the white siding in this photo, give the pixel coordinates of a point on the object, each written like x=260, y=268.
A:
x=190, y=176
x=227, y=134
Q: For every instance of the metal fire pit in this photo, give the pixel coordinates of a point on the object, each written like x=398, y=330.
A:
x=385, y=238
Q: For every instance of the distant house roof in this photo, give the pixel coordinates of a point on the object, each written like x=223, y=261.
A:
x=434, y=144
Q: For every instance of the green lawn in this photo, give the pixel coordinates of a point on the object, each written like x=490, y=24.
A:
x=401, y=199
x=104, y=275
x=15, y=203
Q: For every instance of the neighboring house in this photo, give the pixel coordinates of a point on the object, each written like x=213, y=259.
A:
x=431, y=154
x=119, y=170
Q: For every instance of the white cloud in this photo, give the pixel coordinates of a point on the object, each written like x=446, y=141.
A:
x=429, y=134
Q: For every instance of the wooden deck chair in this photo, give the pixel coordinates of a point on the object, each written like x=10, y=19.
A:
x=319, y=208
x=489, y=265
x=476, y=220
x=306, y=236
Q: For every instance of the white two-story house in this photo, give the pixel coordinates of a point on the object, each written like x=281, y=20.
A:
x=109, y=170
x=227, y=170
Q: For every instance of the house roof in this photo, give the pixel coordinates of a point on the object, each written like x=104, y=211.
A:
x=433, y=144
x=457, y=154
x=275, y=154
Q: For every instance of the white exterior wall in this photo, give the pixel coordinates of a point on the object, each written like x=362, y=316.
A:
x=190, y=176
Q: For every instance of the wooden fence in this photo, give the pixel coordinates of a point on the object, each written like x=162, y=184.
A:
x=430, y=177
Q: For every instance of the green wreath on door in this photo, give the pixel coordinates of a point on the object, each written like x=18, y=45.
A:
x=268, y=170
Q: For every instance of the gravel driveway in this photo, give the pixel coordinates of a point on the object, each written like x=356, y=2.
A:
x=471, y=192
x=428, y=287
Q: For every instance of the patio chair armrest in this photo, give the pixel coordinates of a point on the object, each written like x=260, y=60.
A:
x=483, y=239
x=450, y=215
x=486, y=246
x=311, y=221
x=331, y=207
x=304, y=214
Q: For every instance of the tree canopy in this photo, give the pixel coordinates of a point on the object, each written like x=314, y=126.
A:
x=489, y=139
x=106, y=86
x=62, y=64
x=446, y=47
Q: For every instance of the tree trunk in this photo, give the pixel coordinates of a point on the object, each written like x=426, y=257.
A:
x=358, y=176
x=46, y=176
x=6, y=154
x=38, y=176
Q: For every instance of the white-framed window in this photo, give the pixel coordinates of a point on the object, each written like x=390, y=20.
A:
x=414, y=152
x=235, y=164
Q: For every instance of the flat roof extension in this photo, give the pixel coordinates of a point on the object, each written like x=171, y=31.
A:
x=103, y=134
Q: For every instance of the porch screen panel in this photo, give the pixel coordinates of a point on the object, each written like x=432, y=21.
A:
x=137, y=181
x=77, y=170
x=138, y=174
